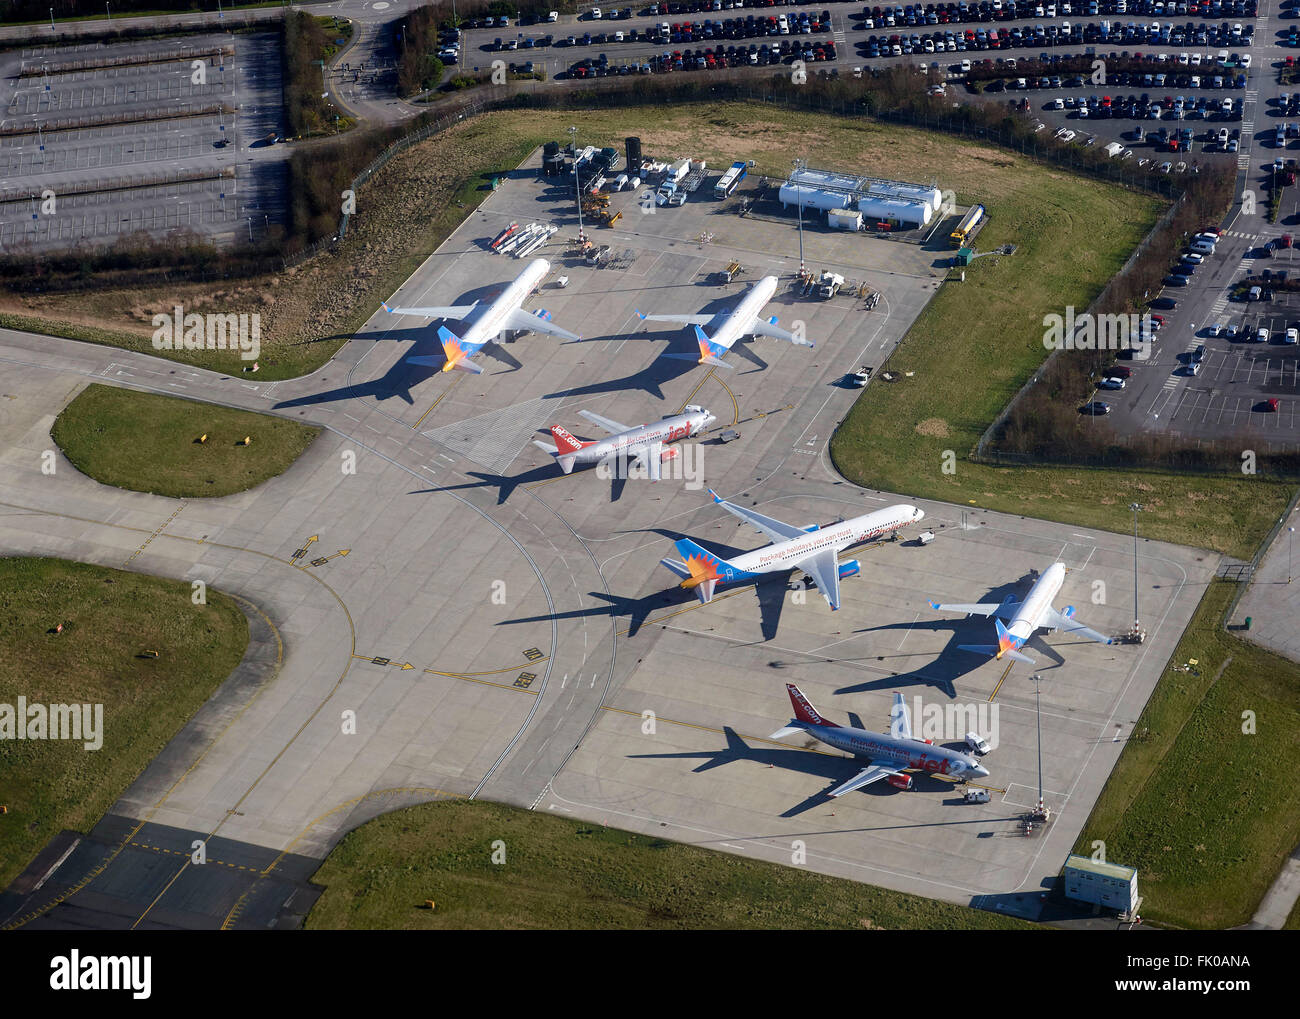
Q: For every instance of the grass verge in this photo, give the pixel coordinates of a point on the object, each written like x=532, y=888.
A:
x=148, y=443
x=562, y=874
x=109, y=618
x=1200, y=807
x=978, y=341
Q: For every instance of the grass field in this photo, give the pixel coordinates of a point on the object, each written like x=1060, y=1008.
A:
x=563, y=874
x=1204, y=810
x=147, y=443
x=977, y=342
x=109, y=618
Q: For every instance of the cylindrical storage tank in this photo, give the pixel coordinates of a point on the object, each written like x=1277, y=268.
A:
x=813, y=198
x=552, y=159
x=844, y=219
x=910, y=214
x=908, y=193
x=633, y=154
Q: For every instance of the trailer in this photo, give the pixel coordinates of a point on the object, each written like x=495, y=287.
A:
x=730, y=180
x=974, y=216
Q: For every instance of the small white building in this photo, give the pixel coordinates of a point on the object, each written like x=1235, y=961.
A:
x=1104, y=884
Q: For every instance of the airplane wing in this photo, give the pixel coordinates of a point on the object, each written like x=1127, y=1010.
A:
x=824, y=568
x=613, y=427
x=774, y=529
x=651, y=455
x=456, y=311
x=1006, y=608
x=686, y=320
x=873, y=773
x=528, y=321
x=1068, y=624
x=900, y=724
x=768, y=327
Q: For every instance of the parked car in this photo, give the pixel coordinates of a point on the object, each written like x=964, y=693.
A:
x=1096, y=407
x=1114, y=382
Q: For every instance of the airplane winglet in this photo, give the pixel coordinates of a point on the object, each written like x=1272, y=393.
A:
x=639, y=314
x=384, y=305
x=933, y=604
x=773, y=320
x=716, y=497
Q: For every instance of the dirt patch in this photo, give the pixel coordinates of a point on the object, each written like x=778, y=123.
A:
x=935, y=428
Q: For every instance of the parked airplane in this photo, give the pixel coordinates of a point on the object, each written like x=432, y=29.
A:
x=730, y=325
x=1034, y=612
x=813, y=549
x=487, y=323
x=644, y=443
x=891, y=755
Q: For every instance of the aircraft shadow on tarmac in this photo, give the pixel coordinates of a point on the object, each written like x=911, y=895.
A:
x=952, y=662
x=771, y=597
x=834, y=769
x=402, y=376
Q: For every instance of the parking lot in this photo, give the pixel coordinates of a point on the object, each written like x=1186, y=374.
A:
x=102, y=141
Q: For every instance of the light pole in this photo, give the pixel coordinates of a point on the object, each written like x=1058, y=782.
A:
x=799, y=164
x=1038, y=687
x=1137, y=630
x=577, y=191
x=1289, y=531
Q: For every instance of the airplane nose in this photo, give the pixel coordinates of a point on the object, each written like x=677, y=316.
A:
x=981, y=771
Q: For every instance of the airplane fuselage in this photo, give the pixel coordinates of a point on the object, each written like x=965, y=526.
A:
x=896, y=750
x=785, y=555
x=1028, y=617
x=488, y=324
x=670, y=429
x=738, y=323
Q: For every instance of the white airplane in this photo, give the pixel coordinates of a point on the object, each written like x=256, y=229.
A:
x=488, y=323
x=1034, y=612
x=644, y=443
x=730, y=325
x=890, y=756
x=813, y=549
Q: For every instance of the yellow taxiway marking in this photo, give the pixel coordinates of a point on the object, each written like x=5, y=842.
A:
x=298, y=553
x=1005, y=673
x=326, y=558
x=435, y=403
x=380, y=660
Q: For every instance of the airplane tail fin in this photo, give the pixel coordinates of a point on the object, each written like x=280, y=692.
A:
x=1008, y=645
x=458, y=352
x=803, y=709
x=710, y=352
x=702, y=569
x=566, y=441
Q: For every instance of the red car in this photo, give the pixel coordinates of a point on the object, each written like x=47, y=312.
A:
x=1272, y=405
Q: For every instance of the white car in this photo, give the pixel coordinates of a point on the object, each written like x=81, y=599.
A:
x=1262, y=334
x=1216, y=329
x=1245, y=60
x=1112, y=383
x=595, y=14
x=977, y=743
x=553, y=16
x=1191, y=258
x=1292, y=335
